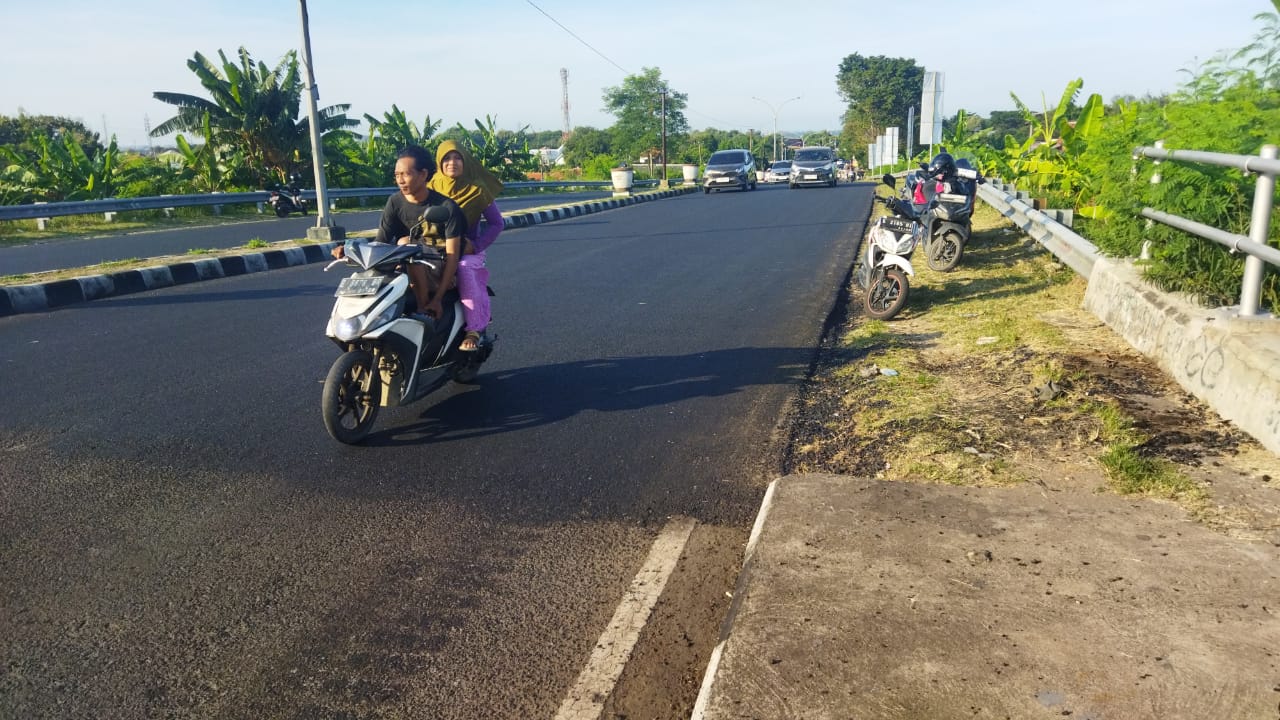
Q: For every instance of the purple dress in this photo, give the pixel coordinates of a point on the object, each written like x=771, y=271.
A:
x=473, y=276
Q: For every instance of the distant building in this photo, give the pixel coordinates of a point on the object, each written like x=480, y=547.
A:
x=550, y=156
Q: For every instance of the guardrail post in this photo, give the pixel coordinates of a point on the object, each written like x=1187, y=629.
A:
x=217, y=209
x=1259, y=229
x=168, y=212
x=42, y=223
x=259, y=207
x=109, y=216
x=1155, y=180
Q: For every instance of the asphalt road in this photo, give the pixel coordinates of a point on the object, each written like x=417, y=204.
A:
x=180, y=538
x=58, y=254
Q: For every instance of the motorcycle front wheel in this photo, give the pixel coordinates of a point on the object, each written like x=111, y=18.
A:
x=944, y=253
x=352, y=396
x=887, y=294
x=281, y=211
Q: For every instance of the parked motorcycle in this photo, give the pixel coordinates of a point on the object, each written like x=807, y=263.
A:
x=389, y=356
x=943, y=193
x=288, y=199
x=886, y=262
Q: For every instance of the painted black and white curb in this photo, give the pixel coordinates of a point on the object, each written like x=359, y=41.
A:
x=16, y=299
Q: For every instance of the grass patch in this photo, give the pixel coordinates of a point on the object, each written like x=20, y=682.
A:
x=200, y=251
x=256, y=243
x=1131, y=473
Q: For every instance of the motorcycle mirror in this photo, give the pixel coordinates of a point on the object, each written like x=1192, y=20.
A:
x=889, y=180
x=435, y=214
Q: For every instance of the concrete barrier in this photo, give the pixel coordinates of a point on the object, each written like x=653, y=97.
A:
x=1232, y=363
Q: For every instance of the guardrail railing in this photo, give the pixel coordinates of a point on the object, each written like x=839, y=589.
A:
x=109, y=205
x=1077, y=252
x=1254, y=244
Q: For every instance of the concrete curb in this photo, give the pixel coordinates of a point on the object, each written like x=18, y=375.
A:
x=38, y=297
x=739, y=594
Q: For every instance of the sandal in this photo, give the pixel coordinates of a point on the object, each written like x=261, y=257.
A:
x=470, y=341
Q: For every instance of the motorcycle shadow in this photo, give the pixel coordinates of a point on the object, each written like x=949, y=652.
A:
x=509, y=400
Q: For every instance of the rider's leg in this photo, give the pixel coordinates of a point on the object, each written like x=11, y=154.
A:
x=473, y=287
x=421, y=285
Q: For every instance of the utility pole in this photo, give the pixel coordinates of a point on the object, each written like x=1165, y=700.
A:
x=324, y=229
x=663, y=184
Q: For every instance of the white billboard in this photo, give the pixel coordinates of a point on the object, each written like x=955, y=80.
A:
x=931, y=114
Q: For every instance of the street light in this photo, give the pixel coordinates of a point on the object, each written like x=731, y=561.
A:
x=775, y=119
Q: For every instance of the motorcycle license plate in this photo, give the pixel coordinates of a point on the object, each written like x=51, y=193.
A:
x=953, y=198
x=896, y=224
x=810, y=177
x=355, y=286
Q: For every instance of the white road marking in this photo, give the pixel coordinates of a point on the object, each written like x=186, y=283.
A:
x=585, y=700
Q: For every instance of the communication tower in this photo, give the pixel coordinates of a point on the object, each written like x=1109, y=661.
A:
x=564, y=101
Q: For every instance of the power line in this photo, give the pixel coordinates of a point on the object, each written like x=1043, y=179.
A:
x=575, y=37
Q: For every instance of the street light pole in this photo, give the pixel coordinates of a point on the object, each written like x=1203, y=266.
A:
x=324, y=229
x=775, y=119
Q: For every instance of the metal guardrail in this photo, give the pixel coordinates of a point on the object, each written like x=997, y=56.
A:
x=1255, y=244
x=111, y=205
x=1077, y=252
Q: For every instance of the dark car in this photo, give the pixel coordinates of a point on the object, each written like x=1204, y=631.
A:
x=729, y=168
x=813, y=166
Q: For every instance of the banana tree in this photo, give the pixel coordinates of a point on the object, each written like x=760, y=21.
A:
x=1048, y=160
x=204, y=164
x=505, y=154
x=254, y=111
x=391, y=134
x=61, y=170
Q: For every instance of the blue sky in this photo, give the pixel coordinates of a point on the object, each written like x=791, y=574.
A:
x=457, y=60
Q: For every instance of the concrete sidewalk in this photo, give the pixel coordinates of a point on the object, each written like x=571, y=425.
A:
x=870, y=599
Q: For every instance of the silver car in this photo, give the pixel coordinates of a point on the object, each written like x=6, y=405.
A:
x=779, y=172
x=813, y=166
x=729, y=169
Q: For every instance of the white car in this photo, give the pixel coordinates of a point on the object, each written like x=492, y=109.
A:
x=779, y=172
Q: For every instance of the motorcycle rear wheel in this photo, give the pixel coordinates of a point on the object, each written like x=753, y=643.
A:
x=887, y=294
x=944, y=253
x=352, y=396
x=281, y=211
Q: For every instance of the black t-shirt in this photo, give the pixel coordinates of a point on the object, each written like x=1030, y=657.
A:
x=400, y=215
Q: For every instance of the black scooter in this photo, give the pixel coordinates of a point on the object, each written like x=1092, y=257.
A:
x=944, y=202
x=286, y=200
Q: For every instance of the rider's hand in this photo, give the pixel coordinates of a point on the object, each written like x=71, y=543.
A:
x=404, y=240
x=338, y=251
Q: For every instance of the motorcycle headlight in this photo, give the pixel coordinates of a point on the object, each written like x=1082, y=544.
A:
x=348, y=329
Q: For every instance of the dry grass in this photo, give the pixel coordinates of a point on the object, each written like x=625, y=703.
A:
x=967, y=399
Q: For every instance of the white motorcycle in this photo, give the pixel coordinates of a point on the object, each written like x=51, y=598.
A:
x=886, y=264
x=390, y=358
